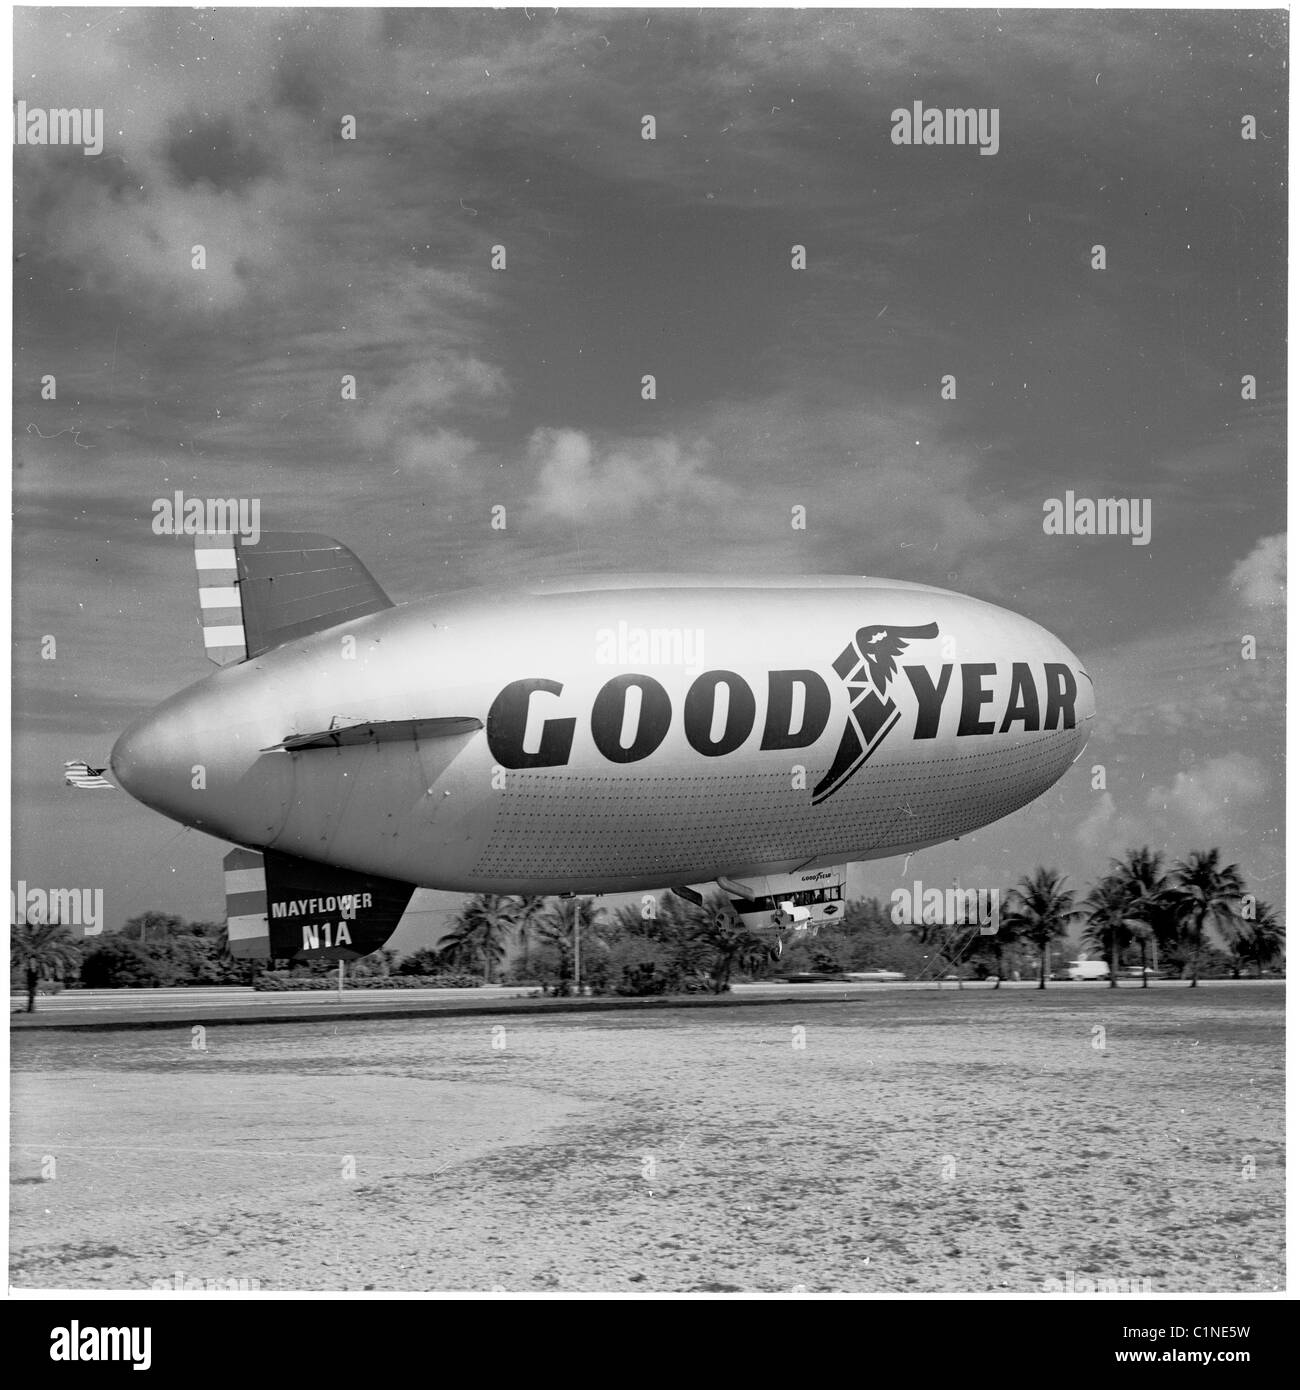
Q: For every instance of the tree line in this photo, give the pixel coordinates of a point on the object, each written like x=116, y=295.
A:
x=149, y=951
x=1192, y=917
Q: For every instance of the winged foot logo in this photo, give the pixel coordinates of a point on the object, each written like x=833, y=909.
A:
x=867, y=666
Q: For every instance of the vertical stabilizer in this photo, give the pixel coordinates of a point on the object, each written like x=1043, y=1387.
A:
x=253, y=597
x=220, y=610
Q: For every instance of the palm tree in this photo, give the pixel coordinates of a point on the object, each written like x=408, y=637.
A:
x=478, y=936
x=730, y=944
x=995, y=945
x=153, y=926
x=557, y=925
x=41, y=948
x=674, y=930
x=1040, y=909
x=948, y=941
x=527, y=912
x=1203, y=893
x=1145, y=884
x=1110, y=926
x=1259, y=939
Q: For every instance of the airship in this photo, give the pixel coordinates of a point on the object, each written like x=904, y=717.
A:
x=585, y=736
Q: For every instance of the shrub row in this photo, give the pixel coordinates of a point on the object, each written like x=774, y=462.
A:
x=278, y=980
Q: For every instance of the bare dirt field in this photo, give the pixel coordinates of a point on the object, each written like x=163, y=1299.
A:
x=936, y=1141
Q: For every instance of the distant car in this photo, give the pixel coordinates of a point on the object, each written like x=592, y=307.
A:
x=876, y=975
x=1136, y=972
x=1088, y=970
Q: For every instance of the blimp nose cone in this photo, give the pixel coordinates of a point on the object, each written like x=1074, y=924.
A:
x=1087, y=695
x=1085, y=698
x=197, y=759
x=147, y=759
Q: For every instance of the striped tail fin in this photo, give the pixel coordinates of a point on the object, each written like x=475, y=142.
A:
x=290, y=584
x=280, y=907
x=247, y=937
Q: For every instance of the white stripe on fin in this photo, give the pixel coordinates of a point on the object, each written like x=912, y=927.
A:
x=221, y=604
x=223, y=559
x=244, y=928
x=219, y=596
x=246, y=880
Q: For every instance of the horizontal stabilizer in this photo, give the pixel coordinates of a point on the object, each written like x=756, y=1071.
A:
x=379, y=731
x=280, y=907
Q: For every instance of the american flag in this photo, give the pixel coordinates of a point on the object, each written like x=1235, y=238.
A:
x=80, y=774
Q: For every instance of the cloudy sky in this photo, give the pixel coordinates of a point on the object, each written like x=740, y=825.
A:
x=671, y=257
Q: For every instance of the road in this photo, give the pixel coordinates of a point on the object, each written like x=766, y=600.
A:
x=237, y=1003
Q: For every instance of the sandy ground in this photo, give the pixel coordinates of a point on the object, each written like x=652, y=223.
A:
x=919, y=1142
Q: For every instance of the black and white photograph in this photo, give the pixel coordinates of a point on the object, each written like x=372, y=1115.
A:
x=648, y=658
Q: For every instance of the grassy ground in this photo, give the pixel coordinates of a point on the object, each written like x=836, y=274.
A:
x=911, y=1141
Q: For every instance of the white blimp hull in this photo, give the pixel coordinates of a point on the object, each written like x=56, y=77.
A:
x=624, y=738
x=588, y=736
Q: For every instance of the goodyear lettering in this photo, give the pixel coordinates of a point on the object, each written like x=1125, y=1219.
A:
x=1023, y=704
x=1062, y=689
x=973, y=696
x=704, y=702
x=929, y=698
x=631, y=714
x=779, y=730
x=507, y=722
x=630, y=718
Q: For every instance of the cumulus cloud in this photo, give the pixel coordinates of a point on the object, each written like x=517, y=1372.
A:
x=1207, y=802
x=1106, y=829
x=1259, y=581
x=414, y=404
x=442, y=455
x=228, y=134
x=196, y=248
x=127, y=219
x=577, y=478
x=1209, y=799
x=1205, y=677
x=875, y=488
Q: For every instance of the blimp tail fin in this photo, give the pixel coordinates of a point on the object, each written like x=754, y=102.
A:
x=255, y=596
x=280, y=907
